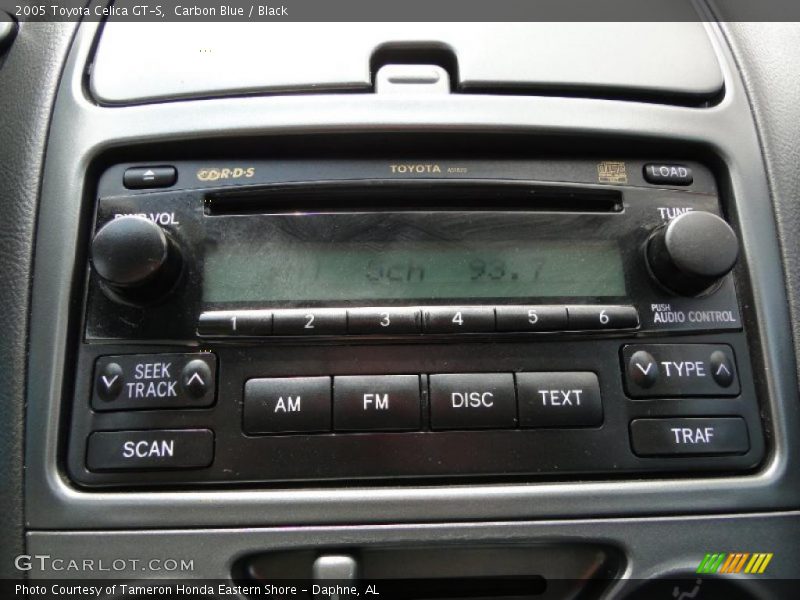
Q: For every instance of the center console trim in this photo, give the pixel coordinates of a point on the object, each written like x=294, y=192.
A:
x=82, y=131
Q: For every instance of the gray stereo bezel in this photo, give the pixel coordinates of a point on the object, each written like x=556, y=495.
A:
x=82, y=131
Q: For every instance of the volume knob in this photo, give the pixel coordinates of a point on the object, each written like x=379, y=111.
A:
x=135, y=260
x=692, y=252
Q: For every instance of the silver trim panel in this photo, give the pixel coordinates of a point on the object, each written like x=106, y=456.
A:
x=211, y=59
x=82, y=130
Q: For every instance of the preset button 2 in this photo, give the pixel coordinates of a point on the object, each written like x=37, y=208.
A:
x=310, y=321
x=376, y=403
x=473, y=401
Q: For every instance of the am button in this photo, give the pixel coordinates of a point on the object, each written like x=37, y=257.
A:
x=287, y=404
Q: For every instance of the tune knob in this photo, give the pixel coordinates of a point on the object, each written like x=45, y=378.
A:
x=692, y=252
x=135, y=260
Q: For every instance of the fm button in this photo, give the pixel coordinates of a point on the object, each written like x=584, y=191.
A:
x=376, y=403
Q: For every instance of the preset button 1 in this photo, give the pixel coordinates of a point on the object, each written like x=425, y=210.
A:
x=235, y=322
x=376, y=403
x=473, y=401
x=289, y=404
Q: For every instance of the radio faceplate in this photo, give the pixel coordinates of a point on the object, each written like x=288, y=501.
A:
x=364, y=320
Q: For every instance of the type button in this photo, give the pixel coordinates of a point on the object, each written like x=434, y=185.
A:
x=679, y=370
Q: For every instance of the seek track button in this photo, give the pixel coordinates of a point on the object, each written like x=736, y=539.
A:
x=195, y=378
x=147, y=381
x=110, y=380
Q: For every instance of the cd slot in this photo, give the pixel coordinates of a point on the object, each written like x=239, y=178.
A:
x=413, y=195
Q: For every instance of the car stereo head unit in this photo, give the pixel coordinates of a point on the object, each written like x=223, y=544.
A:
x=262, y=321
x=248, y=246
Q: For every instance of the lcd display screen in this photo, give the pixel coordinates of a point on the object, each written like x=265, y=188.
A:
x=410, y=270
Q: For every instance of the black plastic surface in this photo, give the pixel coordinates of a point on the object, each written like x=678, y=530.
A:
x=433, y=447
x=28, y=82
x=426, y=454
